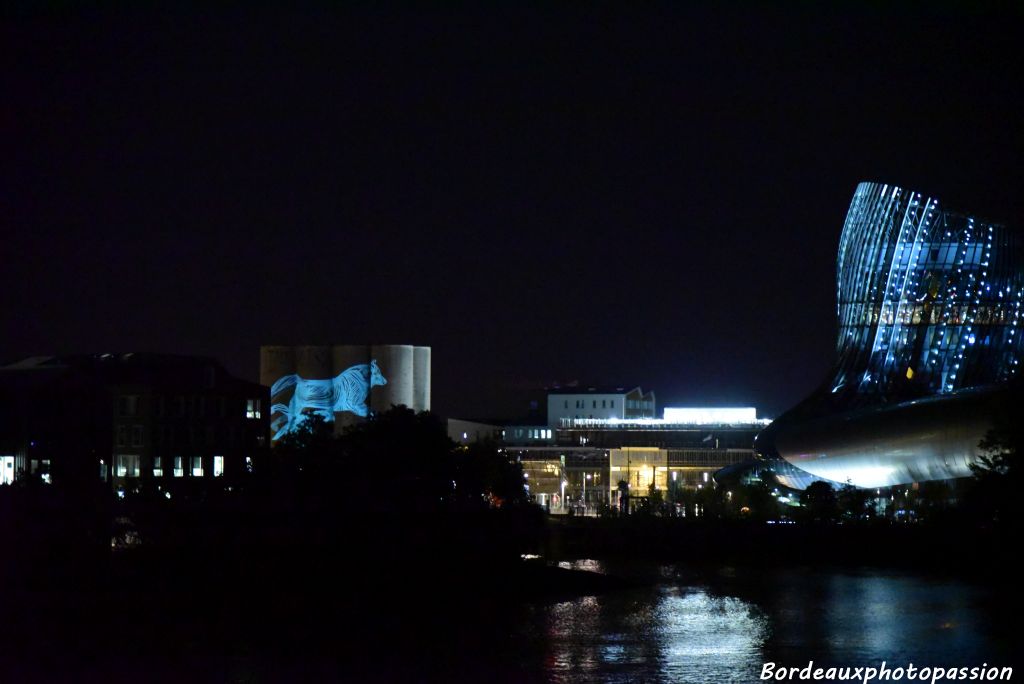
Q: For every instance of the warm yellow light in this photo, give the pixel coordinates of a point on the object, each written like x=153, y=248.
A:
x=910, y=373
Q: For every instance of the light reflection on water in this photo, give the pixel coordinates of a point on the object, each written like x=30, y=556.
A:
x=677, y=630
x=672, y=635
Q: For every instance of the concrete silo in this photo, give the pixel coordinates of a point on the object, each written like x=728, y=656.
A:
x=344, y=357
x=421, y=379
x=396, y=365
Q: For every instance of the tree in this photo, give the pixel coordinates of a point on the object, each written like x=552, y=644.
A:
x=758, y=501
x=819, y=501
x=655, y=498
x=997, y=479
x=853, y=501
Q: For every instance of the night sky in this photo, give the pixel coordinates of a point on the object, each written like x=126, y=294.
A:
x=649, y=197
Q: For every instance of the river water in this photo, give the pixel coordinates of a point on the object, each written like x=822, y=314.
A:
x=722, y=625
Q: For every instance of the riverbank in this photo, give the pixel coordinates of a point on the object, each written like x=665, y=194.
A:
x=949, y=548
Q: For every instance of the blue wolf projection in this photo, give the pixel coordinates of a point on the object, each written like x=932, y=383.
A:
x=348, y=391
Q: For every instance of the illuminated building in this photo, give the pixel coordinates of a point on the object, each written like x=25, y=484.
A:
x=599, y=403
x=125, y=418
x=582, y=463
x=928, y=308
x=342, y=383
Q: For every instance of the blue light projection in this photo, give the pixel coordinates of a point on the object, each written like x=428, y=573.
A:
x=348, y=391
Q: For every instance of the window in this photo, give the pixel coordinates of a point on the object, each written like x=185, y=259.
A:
x=158, y=470
x=197, y=466
x=178, y=470
x=6, y=469
x=218, y=466
x=595, y=404
x=122, y=435
x=604, y=403
x=566, y=403
x=127, y=465
x=137, y=436
x=613, y=403
x=252, y=408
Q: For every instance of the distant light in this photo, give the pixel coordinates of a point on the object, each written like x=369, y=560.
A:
x=699, y=416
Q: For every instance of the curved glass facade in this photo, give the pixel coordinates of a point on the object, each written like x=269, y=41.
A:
x=929, y=307
x=929, y=301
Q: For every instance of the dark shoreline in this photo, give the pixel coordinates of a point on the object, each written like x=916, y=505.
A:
x=963, y=551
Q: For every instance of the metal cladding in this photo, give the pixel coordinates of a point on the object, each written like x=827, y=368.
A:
x=928, y=306
x=342, y=383
x=924, y=439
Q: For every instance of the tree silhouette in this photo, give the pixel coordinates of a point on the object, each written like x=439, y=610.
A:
x=820, y=502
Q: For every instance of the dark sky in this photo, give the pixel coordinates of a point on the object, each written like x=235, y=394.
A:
x=648, y=196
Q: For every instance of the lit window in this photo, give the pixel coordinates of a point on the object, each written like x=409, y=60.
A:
x=158, y=470
x=197, y=466
x=6, y=469
x=252, y=408
x=179, y=471
x=218, y=466
x=127, y=465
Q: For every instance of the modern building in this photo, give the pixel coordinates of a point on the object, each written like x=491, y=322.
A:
x=599, y=403
x=342, y=383
x=471, y=431
x=582, y=466
x=929, y=315
x=127, y=418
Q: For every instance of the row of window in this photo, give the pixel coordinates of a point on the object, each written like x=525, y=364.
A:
x=582, y=403
x=855, y=315
x=128, y=405
x=129, y=465
x=639, y=404
x=529, y=433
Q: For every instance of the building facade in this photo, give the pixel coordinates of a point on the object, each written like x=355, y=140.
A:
x=342, y=383
x=928, y=309
x=599, y=403
x=127, y=418
x=589, y=463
